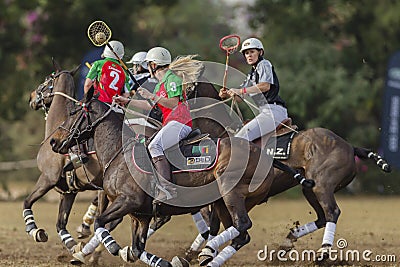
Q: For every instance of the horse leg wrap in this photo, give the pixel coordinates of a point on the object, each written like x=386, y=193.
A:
x=201, y=224
x=329, y=234
x=222, y=257
x=150, y=232
x=153, y=260
x=197, y=243
x=88, y=218
x=223, y=237
x=67, y=239
x=91, y=245
x=29, y=221
x=108, y=241
x=304, y=230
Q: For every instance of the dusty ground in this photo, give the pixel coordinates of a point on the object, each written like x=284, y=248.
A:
x=367, y=223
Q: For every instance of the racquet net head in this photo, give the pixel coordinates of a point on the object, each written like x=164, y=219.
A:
x=99, y=27
x=230, y=43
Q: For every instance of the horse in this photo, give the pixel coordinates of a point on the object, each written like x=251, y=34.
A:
x=319, y=154
x=127, y=187
x=51, y=96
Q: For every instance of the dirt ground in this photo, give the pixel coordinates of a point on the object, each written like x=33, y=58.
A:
x=366, y=223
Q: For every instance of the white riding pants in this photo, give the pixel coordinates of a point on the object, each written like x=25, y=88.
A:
x=266, y=122
x=167, y=137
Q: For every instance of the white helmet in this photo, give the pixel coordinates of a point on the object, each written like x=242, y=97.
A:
x=159, y=55
x=118, y=48
x=251, y=43
x=139, y=58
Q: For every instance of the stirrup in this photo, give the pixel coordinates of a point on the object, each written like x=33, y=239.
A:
x=164, y=194
x=75, y=162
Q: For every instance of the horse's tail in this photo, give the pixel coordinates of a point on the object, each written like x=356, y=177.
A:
x=364, y=153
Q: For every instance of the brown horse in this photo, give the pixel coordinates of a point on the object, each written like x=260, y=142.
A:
x=319, y=154
x=51, y=96
x=127, y=187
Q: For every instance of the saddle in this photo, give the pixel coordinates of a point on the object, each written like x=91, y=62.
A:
x=196, y=152
x=285, y=127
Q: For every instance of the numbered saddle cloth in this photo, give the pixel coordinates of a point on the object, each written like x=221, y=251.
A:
x=282, y=148
x=195, y=157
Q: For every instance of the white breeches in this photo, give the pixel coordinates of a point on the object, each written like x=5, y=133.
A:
x=167, y=137
x=266, y=122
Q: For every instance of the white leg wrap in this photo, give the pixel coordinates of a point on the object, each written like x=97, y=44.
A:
x=91, y=245
x=201, y=224
x=211, y=237
x=305, y=229
x=222, y=257
x=197, y=243
x=329, y=233
x=150, y=259
x=88, y=218
x=65, y=237
x=223, y=237
x=107, y=240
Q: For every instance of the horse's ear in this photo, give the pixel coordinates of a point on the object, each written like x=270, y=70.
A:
x=75, y=70
x=89, y=95
x=56, y=66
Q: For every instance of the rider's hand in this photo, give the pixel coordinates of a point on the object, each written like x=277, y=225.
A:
x=145, y=93
x=120, y=100
x=234, y=91
x=223, y=93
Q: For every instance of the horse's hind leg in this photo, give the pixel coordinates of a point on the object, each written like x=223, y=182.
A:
x=300, y=231
x=43, y=185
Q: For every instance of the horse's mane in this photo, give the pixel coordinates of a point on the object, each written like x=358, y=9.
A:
x=187, y=68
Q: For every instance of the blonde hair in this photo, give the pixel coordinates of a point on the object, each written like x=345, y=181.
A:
x=188, y=69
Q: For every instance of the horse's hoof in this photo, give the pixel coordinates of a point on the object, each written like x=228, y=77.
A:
x=40, y=235
x=179, y=262
x=323, y=253
x=126, y=254
x=190, y=254
x=308, y=183
x=287, y=245
x=206, y=256
x=78, y=247
x=78, y=258
x=83, y=231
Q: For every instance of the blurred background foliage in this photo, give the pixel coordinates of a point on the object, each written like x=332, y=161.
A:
x=330, y=56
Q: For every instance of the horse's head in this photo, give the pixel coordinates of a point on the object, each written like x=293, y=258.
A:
x=80, y=123
x=42, y=96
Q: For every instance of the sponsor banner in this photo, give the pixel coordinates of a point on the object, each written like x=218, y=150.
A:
x=391, y=112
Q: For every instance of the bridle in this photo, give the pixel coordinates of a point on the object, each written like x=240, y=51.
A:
x=45, y=90
x=76, y=134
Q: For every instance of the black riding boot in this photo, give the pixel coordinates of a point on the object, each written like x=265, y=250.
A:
x=77, y=158
x=167, y=191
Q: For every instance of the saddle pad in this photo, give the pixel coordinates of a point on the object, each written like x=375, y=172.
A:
x=188, y=158
x=282, y=149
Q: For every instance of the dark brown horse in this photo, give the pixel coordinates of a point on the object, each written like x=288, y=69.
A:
x=52, y=95
x=126, y=187
x=319, y=154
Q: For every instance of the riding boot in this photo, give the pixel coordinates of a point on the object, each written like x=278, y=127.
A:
x=166, y=190
x=77, y=158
